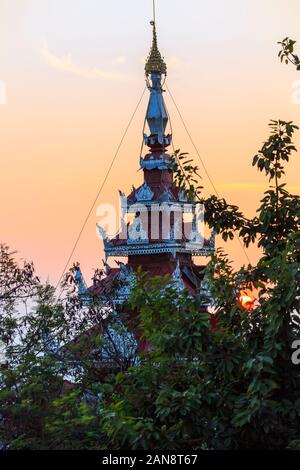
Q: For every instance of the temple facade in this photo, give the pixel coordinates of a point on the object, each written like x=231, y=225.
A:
x=161, y=231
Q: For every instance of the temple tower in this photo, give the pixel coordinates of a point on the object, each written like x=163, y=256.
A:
x=160, y=231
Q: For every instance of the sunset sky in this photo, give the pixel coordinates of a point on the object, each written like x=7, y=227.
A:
x=73, y=73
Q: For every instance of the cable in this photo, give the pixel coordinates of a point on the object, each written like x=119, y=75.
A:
x=203, y=164
x=192, y=141
x=143, y=137
x=100, y=190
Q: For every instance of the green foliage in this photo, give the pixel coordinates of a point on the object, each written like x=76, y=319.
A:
x=170, y=400
x=70, y=378
x=279, y=212
x=54, y=355
x=186, y=175
x=276, y=150
x=286, y=54
x=236, y=387
x=41, y=410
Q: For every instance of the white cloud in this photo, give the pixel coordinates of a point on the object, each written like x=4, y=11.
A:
x=67, y=64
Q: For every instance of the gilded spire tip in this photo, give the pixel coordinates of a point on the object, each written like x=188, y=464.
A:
x=155, y=62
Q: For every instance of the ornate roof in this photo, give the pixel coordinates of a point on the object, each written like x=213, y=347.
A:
x=144, y=193
x=158, y=193
x=166, y=242
x=155, y=62
x=118, y=284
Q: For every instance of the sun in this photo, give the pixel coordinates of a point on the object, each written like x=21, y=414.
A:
x=246, y=301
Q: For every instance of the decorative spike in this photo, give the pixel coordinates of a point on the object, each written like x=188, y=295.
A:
x=155, y=62
x=107, y=268
x=102, y=232
x=80, y=282
x=176, y=277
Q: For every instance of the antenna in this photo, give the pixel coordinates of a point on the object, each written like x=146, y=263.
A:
x=154, y=19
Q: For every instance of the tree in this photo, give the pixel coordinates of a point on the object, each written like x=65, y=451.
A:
x=57, y=355
x=71, y=377
x=235, y=387
x=17, y=282
x=287, y=53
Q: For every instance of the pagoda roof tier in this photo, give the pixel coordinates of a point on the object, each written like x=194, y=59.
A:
x=157, y=192
x=119, y=282
x=156, y=161
x=121, y=248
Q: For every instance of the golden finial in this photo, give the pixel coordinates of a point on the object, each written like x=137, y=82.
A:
x=155, y=62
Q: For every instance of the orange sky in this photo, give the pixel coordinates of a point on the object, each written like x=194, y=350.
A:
x=74, y=72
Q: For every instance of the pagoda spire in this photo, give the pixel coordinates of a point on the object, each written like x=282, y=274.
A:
x=155, y=62
x=154, y=235
x=157, y=115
